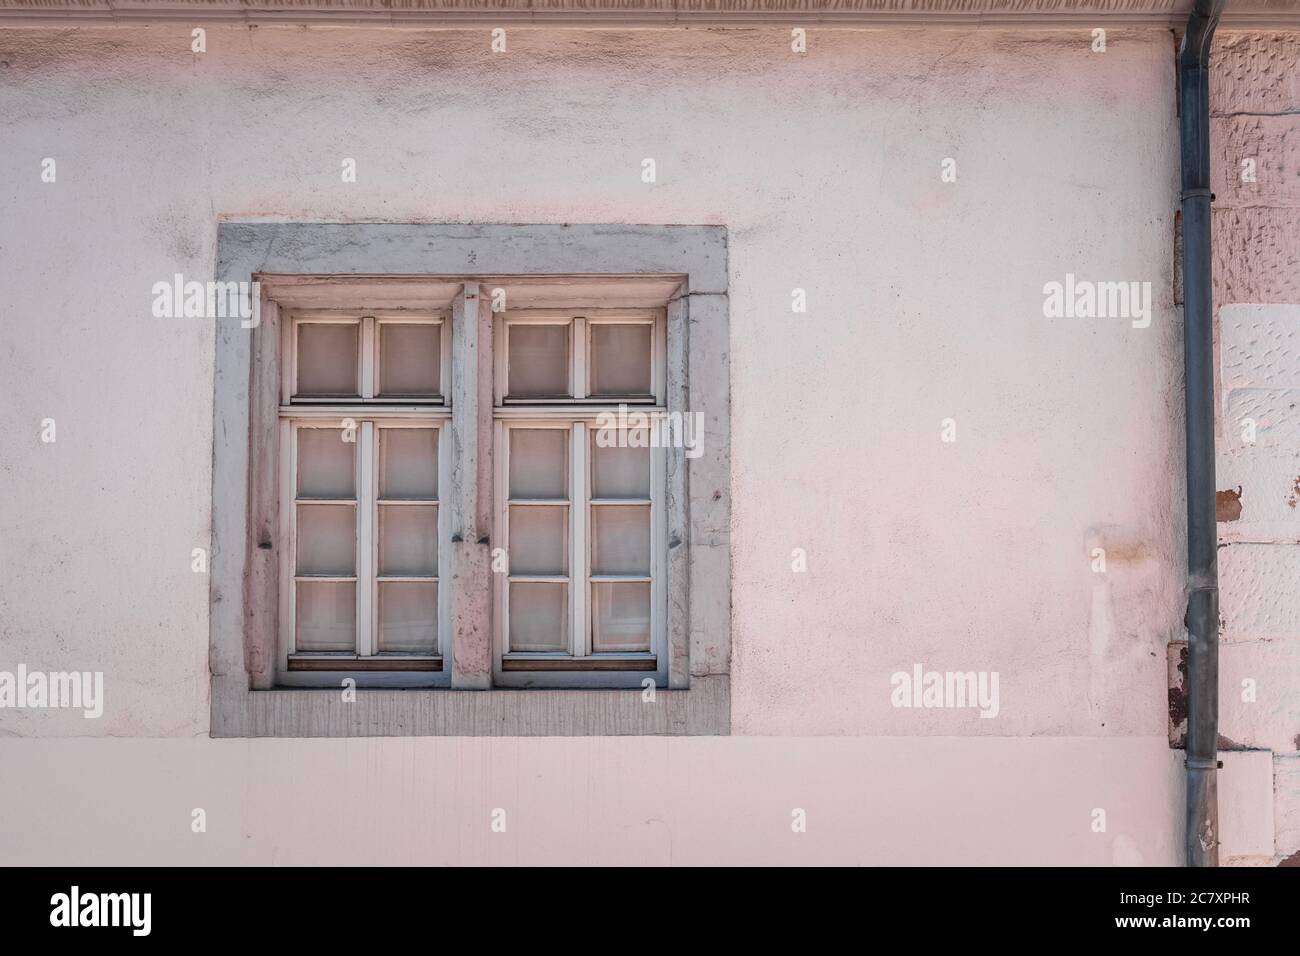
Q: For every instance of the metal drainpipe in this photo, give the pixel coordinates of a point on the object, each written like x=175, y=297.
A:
x=1202, y=619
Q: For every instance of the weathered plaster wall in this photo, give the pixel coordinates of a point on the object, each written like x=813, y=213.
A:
x=924, y=303
x=1255, y=136
x=606, y=801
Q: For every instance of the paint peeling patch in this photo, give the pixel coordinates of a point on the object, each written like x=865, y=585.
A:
x=1292, y=860
x=1177, y=706
x=1295, y=494
x=1227, y=743
x=1177, y=694
x=1227, y=504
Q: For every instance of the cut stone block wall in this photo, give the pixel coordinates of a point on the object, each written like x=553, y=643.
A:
x=1255, y=137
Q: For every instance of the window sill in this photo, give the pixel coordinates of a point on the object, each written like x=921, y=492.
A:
x=604, y=662
x=350, y=662
x=703, y=709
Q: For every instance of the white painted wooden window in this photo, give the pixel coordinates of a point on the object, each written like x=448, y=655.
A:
x=579, y=494
x=363, y=436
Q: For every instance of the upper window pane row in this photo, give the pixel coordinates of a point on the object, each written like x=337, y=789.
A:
x=561, y=359
x=368, y=358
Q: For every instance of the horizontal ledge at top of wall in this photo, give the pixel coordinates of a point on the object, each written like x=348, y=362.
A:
x=990, y=14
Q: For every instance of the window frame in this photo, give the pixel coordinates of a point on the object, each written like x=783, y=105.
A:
x=371, y=413
x=454, y=268
x=577, y=413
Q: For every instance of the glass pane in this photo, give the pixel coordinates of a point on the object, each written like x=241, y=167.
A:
x=326, y=616
x=408, y=617
x=408, y=463
x=620, y=359
x=327, y=358
x=620, y=539
x=408, y=540
x=539, y=463
x=539, y=617
x=620, y=472
x=538, y=542
x=410, y=358
x=327, y=539
x=326, y=464
x=539, y=361
x=620, y=616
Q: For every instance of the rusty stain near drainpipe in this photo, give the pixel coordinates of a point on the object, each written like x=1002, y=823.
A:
x=1178, y=702
x=1227, y=504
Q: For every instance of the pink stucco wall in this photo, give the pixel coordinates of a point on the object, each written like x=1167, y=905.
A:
x=924, y=303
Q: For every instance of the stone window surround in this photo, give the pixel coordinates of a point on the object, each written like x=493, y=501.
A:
x=245, y=702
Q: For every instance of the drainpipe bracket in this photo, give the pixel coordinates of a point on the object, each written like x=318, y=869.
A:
x=1195, y=763
x=1195, y=194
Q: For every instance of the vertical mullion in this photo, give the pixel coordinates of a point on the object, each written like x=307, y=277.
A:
x=367, y=509
x=579, y=595
x=289, y=537
x=368, y=360
x=658, y=559
x=367, y=541
x=445, y=643
x=288, y=358
x=501, y=536
x=658, y=363
x=580, y=636
x=444, y=372
x=501, y=367
x=578, y=351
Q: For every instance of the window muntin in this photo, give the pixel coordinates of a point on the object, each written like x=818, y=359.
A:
x=336, y=357
x=559, y=357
